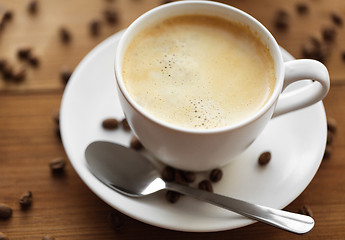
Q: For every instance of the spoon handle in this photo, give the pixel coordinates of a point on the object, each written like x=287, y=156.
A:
x=291, y=222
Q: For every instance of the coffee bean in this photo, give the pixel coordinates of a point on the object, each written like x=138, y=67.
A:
x=264, y=158
x=216, y=175
x=48, y=237
x=110, y=123
x=19, y=74
x=8, y=15
x=306, y=210
x=315, y=49
x=329, y=137
x=116, y=220
x=65, y=35
x=179, y=177
x=125, y=125
x=168, y=174
x=5, y=211
x=58, y=132
x=332, y=125
x=25, y=199
x=95, y=27
x=32, y=7
x=34, y=61
x=315, y=41
x=111, y=16
x=7, y=72
x=188, y=176
x=135, y=143
x=2, y=25
x=337, y=20
x=205, y=185
x=166, y=1
x=3, y=64
x=57, y=165
x=24, y=53
x=56, y=117
x=282, y=19
x=172, y=196
x=302, y=8
x=329, y=34
x=328, y=152
x=3, y=236
x=65, y=75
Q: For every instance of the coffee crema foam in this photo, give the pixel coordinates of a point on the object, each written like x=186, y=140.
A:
x=198, y=71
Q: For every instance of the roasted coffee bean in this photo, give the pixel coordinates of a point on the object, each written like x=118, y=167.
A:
x=8, y=15
x=329, y=137
x=95, y=27
x=314, y=49
x=58, y=132
x=24, y=53
x=166, y=1
x=32, y=7
x=302, y=8
x=337, y=20
x=172, y=196
x=332, y=125
x=48, y=237
x=264, y=158
x=57, y=165
x=329, y=34
x=315, y=41
x=116, y=220
x=110, y=123
x=26, y=199
x=7, y=72
x=205, y=185
x=282, y=19
x=168, y=174
x=179, y=177
x=135, y=143
x=34, y=61
x=216, y=175
x=111, y=16
x=5, y=211
x=188, y=176
x=3, y=236
x=65, y=75
x=56, y=117
x=306, y=210
x=3, y=64
x=328, y=152
x=19, y=74
x=125, y=125
x=65, y=35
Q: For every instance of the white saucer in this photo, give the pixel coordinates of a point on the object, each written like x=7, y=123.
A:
x=296, y=141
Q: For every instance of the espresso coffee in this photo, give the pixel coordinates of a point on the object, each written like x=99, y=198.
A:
x=198, y=71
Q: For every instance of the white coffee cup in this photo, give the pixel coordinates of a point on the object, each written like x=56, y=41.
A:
x=204, y=149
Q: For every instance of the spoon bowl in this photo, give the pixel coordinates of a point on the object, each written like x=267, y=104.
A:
x=111, y=163
x=130, y=173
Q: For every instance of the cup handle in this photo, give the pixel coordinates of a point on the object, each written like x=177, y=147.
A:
x=297, y=70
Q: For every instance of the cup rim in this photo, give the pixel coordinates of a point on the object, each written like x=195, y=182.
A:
x=274, y=50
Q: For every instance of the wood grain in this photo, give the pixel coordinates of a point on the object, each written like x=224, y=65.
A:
x=63, y=206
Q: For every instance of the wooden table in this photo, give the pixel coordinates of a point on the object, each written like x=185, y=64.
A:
x=63, y=206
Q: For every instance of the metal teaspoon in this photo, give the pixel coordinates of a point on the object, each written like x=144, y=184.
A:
x=130, y=173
